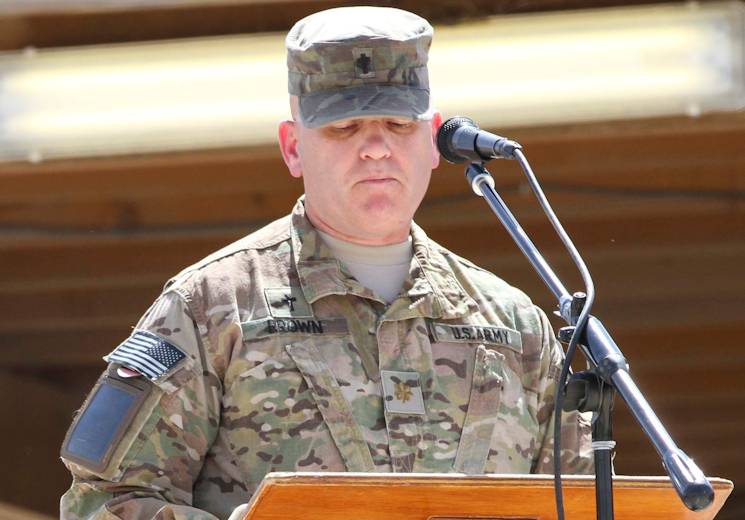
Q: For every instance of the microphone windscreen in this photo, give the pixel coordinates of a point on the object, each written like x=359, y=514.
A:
x=445, y=138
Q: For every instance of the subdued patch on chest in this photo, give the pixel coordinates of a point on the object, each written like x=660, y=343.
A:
x=402, y=392
x=446, y=332
x=287, y=302
x=296, y=326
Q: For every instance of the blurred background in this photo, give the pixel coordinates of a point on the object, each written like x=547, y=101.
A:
x=138, y=136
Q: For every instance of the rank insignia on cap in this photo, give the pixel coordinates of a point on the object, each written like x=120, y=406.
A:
x=363, y=63
x=402, y=392
x=148, y=354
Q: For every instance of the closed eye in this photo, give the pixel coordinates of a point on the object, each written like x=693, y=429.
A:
x=401, y=125
x=342, y=129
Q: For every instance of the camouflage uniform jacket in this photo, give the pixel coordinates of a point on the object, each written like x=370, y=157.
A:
x=291, y=365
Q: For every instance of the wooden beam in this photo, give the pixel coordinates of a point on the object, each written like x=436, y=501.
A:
x=439, y=10
x=80, y=7
x=41, y=411
x=656, y=271
x=36, y=7
x=70, y=327
x=11, y=512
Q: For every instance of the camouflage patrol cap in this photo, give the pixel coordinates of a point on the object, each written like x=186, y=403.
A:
x=359, y=61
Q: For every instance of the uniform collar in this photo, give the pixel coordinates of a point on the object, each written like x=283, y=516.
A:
x=431, y=289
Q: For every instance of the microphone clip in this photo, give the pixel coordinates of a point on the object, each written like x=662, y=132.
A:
x=477, y=175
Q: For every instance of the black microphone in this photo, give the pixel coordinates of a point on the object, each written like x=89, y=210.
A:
x=459, y=139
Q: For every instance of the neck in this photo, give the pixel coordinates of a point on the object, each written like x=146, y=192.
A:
x=383, y=238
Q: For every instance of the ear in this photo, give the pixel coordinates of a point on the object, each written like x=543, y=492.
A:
x=436, y=122
x=288, y=145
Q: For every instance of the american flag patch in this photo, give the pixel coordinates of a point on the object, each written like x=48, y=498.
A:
x=148, y=354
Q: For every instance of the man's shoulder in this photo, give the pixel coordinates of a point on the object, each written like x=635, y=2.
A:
x=496, y=298
x=482, y=278
x=233, y=258
x=498, y=301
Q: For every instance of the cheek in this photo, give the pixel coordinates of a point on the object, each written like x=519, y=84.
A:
x=323, y=171
x=424, y=148
x=421, y=159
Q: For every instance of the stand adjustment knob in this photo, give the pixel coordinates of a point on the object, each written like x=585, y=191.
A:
x=565, y=334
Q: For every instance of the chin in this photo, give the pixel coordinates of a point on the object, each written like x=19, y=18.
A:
x=383, y=209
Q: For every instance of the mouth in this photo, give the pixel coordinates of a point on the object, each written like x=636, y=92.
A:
x=377, y=181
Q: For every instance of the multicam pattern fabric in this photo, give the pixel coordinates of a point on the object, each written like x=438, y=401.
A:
x=323, y=108
x=263, y=389
x=358, y=61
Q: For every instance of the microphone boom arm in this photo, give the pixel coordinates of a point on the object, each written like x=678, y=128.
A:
x=602, y=352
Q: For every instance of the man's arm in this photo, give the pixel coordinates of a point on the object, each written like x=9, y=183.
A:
x=576, y=434
x=137, y=445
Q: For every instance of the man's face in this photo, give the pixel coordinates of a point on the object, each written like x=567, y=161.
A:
x=364, y=178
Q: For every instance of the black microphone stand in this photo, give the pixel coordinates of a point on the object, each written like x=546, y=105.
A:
x=609, y=373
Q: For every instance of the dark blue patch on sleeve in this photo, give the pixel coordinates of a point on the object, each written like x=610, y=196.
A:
x=101, y=424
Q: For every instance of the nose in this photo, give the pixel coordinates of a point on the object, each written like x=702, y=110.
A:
x=375, y=143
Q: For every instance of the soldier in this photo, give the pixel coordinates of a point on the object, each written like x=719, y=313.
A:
x=338, y=338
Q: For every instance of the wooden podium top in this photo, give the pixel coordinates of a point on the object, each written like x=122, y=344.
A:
x=412, y=496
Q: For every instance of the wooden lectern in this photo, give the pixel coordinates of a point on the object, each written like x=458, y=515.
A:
x=419, y=496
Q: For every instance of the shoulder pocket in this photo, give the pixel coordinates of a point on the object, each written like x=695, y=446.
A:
x=118, y=409
x=107, y=419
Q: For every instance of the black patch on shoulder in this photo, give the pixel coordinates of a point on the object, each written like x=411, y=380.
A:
x=103, y=421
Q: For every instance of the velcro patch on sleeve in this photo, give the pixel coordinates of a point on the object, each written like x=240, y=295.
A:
x=148, y=354
x=103, y=421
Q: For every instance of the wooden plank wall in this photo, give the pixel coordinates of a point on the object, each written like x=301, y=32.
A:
x=656, y=207
x=53, y=23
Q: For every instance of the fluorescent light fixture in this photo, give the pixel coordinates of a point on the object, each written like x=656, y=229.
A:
x=595, y=65
x=505, y=71
x=142, y=98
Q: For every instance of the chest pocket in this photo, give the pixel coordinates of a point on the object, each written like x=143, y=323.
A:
x=481, y=417
x=479, y=365
x=284, y=409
